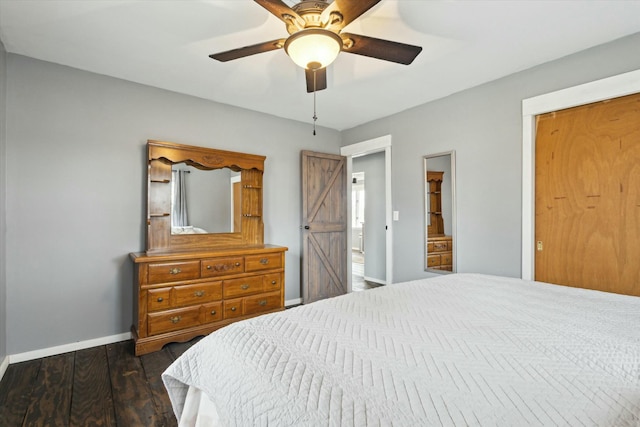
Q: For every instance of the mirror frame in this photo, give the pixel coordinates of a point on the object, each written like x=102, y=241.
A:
x=454, y=239
x=161, y=156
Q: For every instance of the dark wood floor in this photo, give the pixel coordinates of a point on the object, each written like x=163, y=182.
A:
x=99, y=386
x=357, y=277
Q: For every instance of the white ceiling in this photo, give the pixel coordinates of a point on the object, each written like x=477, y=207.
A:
x=166, y=44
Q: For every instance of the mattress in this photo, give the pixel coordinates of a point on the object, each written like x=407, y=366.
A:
x=460, y=349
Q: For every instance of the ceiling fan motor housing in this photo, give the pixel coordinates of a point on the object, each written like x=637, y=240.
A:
x=311, y=12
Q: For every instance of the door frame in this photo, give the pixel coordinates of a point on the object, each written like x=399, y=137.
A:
x=599, y=90
x=371, y=146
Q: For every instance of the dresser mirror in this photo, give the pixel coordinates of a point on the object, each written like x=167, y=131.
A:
x=204, y=201
x=439, y=212
x=202, y=198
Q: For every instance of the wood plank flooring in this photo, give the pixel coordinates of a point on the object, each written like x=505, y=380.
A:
x=357, y=273
x=99, y=386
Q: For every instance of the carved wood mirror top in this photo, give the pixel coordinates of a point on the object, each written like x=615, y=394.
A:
x=161, y=157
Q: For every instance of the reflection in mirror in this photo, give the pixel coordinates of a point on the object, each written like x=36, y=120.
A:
x=439, y=196
x=204, y=201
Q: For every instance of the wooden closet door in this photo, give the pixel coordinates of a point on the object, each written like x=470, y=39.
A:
x=588, y=196
x=324, y=220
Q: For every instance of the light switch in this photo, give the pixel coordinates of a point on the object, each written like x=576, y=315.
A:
x=396, y=215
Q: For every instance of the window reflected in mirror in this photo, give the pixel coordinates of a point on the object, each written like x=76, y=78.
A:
x=204, y=201
x=439, y=212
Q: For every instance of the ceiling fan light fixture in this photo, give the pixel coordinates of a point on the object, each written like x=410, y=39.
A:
x=313, y=48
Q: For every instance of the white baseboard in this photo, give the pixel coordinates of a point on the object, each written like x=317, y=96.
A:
x=296, y=301
x=4, y=364
x=81, y=345
x=66, y=348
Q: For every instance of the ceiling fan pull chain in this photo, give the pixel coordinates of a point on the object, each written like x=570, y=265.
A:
x=315, y=117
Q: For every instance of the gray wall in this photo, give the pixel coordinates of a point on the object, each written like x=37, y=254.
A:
x=484, y=126
x=75, y=191
x=374, y=214
x=3, y=226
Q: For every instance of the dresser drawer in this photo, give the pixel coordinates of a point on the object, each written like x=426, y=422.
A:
x=261, y=303
x=446, y=259
x=173, y=320
x=240, y=287
x=262, y=262
x=197, y=293
x=173, y=271
x=433, y=260
x=440, y=246
x=222, y=266
x=232, y=308
x=212, y=312
x=159, y=299
x=272, y=282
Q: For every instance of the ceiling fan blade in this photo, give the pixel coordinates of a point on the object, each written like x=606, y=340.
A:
x=349, y=9
x=248, y=50
x=380, y=49
x=320, y=79
x=283, y=12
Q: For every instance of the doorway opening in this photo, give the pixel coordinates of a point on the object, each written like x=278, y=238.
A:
x=358, y=255
x=370, y=233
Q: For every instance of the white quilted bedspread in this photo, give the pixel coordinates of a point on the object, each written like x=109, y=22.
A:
x=455, y=350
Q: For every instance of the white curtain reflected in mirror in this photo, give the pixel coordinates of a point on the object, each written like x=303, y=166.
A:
x=439, y=212
x=179, y=214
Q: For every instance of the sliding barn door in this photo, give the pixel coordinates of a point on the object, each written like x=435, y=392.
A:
x=324, y=221
x=588, y=196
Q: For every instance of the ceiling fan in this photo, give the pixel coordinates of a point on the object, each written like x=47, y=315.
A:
x=315, y=37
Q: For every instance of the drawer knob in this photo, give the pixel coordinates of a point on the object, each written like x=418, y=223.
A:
x=175, y=271
x=175, y=319
x=208, y=267
x=233, y=309
x=264, y=261
x=198, y=294
x=237, y=264
x=273, y=282
x=262, y=302
x=160, y=299
x=213, y=312
x=245, y=287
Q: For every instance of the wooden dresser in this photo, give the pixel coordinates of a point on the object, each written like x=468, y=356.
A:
x=181, y=296
x=439, y=246
x=192, y=284
x=440, y=253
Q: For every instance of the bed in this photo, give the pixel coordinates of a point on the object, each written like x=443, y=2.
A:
x=455, y=350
